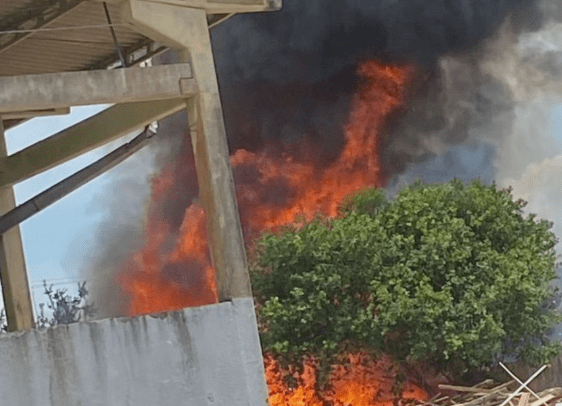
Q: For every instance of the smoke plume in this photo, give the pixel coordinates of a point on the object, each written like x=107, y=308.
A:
x=290, y=75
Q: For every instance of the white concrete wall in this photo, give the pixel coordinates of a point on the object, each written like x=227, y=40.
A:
x=208, y=355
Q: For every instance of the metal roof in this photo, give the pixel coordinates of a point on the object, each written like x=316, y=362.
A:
x=46, y=36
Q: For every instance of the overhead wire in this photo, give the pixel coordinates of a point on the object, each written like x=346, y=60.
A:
x=117, y=48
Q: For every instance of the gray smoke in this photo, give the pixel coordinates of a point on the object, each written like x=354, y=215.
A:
x=502, y=94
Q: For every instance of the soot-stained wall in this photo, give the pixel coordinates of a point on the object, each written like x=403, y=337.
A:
x=200, y=356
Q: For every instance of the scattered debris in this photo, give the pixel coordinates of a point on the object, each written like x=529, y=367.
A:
x=488, y=393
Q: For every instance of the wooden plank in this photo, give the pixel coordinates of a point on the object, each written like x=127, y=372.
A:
x=489, y=397
x=56, y=90
x=466, y=389
x=487, y=382
x=542, y=400
x=110, y=124
x=13, y=272
x=524, y=399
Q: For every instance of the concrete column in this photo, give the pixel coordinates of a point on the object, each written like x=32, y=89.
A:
x=186, y=30
x=13, y=272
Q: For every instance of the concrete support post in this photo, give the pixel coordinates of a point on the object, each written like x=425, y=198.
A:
x=186, y=30
x=13, y=273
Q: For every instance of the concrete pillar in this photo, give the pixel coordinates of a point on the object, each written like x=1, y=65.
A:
x=13, y=272
x=186, y=30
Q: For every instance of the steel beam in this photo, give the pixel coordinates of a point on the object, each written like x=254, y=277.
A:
x=55, y=90
x=33, y=17
x=85, y=136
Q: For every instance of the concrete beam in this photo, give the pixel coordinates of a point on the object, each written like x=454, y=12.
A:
x=13, y=272
x=225, y=6
x=89, y=134
x=220, y=6
x=56, y=90
x=187, y=29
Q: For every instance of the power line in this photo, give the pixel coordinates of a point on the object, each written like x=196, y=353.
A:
x=63, y=281
x=117, y=48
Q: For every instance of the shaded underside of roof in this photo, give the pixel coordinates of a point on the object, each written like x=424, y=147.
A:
x=46, y=36
x=73, y=35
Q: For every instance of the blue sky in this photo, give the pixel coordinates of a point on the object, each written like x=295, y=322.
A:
x=48, y=236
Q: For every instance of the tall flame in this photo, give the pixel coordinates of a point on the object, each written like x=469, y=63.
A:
x=166, y=275
x=172, y=272
x=311, y=187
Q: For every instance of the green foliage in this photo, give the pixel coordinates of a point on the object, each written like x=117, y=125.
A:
x=450, y=273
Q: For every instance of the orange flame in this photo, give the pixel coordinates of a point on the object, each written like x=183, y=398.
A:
x=313, y=189
x=362, y=382
x=173, y=272
x=154, y=279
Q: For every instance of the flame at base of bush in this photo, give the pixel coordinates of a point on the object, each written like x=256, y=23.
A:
x=360, y=382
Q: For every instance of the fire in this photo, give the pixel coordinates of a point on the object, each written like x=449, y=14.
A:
x=160, y=278
x=174, y=271
x=362, y=382
x=310, y=188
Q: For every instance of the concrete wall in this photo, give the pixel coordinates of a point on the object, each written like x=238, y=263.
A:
x=208, y=355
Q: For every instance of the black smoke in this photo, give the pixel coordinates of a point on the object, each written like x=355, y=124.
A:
x=290, y=74
x=310, y=41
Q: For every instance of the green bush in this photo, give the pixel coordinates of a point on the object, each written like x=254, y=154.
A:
x=450, y=273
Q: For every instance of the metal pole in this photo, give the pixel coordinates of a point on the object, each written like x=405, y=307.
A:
x=70, y=184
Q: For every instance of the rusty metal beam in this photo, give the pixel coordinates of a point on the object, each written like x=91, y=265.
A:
x=44, y=199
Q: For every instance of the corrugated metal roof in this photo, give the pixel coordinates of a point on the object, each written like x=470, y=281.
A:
x=54, y=50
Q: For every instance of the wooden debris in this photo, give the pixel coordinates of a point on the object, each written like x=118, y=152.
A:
x=486, y=393
x=524, y=399
x=542, y=400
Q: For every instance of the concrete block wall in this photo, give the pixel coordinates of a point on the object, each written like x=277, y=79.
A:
x=204, y=356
